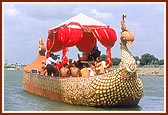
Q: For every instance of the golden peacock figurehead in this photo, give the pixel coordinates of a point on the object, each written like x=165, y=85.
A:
x=126, y=35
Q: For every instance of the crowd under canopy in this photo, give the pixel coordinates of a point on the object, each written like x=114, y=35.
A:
x=83, y=32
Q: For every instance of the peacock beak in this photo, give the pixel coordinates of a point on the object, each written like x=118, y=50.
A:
x=130, y=43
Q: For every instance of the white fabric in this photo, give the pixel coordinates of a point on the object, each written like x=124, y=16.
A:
x=91, y=72
x=50, y=60
x=82, y=20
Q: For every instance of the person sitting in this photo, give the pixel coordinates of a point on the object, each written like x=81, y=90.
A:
x=91, y=71
x=84, y=71
x=104, y=65
x=50, y=63
x=90, y=57
x=75, y=71
x=92, y=66
x=70, y=63
x=99, y=66
x=80, y=59
x=94, y=54
x=65, y=71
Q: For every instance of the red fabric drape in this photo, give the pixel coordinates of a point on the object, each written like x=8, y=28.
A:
x=84, y=38
x=68, y=38
x=109, y=57
x=53, y=43
x=87, y=43
x=64, y=57
x=107, y=38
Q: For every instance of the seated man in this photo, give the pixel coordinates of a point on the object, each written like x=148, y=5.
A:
x=84, y=71
x=70, y=63
x=93, y=68
x=65, y=71
x=90, y=71
x=99, y=66
x=50, y=63
x=75, y=71
x=80, y=59
x=94, y=54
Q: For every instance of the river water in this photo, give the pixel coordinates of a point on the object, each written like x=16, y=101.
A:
x=15, y=99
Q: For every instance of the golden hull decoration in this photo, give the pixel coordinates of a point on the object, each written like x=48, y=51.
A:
x=101, y=90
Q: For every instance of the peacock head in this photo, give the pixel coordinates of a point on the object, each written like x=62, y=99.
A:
x=127, y=37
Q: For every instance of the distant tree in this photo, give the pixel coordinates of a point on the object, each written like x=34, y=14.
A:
x=147, y=59
x=116, y=61
x=160, y=62
x=155, y=60
x=103, y=57
x=142, y=61
x=136, y=59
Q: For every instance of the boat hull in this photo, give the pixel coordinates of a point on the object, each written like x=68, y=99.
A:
x=102, y=90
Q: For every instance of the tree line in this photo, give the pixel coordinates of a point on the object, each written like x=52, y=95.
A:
x=145, y=59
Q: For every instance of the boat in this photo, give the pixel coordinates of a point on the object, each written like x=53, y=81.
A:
x=117, y=87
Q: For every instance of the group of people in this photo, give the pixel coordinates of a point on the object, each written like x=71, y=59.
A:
x=85, y=66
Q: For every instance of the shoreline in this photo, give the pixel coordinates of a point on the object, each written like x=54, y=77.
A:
x=142, y=71
x=151, y=71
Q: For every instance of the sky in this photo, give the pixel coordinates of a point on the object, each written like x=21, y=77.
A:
x=25, y=23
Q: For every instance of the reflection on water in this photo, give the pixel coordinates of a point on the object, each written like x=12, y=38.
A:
x=122, y=108
x=15, y=97
x=151, y=103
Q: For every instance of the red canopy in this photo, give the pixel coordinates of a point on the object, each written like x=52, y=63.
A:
x=80, y=31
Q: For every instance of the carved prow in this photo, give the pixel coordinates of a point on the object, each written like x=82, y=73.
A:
x=36, y=65
x=128, y=63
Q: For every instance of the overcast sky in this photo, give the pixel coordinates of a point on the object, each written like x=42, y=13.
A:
x=25, y=23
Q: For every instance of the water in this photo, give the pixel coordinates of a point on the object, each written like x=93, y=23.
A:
x=16, y=99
